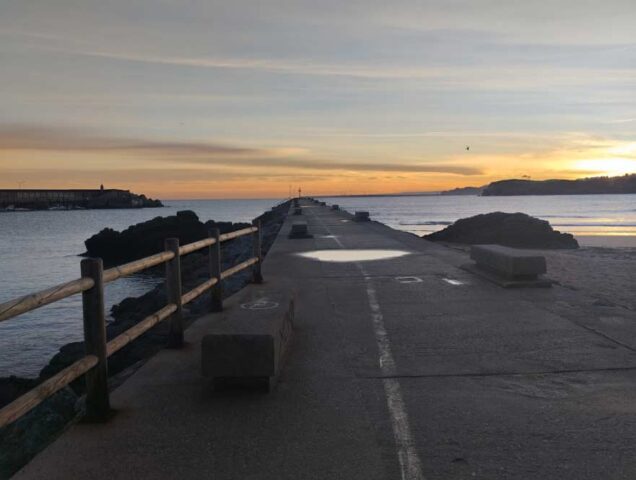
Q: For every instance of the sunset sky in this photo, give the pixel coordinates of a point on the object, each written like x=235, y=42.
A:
x=238, y=99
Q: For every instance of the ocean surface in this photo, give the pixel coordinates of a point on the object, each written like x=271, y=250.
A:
x=40, y=249
x=585, y=215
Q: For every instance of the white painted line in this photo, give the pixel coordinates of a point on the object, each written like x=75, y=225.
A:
x=456, y=283
x=410, y=464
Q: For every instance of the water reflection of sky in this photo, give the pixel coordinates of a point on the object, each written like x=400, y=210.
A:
x=345, y=255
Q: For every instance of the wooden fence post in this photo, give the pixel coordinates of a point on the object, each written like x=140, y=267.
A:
x=97, y=400
x=216, y=291
x=257, y=277
x=173, y=293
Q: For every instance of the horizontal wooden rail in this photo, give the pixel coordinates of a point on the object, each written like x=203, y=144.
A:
x=21, y=305
x=120, y=341
x=89, y=363
x=238, y=233
x=114, y=273
x=195, y=292
x=237, y=268
x=33, y=398
x=193, y=247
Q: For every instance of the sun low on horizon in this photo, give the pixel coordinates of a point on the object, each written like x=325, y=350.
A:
x=211, y=99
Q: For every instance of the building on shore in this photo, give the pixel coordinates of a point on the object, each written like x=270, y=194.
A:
x=36, y=199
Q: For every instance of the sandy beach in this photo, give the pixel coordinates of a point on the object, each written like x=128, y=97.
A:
x=603, y=268
x=607, y=241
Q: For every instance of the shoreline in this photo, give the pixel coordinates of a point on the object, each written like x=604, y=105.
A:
x=607, y=241
x=70, y=209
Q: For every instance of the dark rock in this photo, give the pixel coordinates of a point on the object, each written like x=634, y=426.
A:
x=68, y=354
x=511, y=229
x=147, y=238
x=12, y=387
x=24, y=438
x=150, y=202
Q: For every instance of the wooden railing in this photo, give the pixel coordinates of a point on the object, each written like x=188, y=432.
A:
x=94, y=365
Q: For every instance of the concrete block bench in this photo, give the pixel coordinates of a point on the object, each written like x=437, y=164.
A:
x=335, y=207
x=247, y=346
x=361, y=216
x=299, y=230
x=508, y=267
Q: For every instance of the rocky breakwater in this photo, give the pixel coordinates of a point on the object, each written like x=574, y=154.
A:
x=21, y=440
x=510, y=229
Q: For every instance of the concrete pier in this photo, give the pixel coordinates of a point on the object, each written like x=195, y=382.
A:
x=402, y=366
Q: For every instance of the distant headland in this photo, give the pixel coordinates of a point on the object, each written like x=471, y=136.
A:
x=583, y=186
x=30, y=199
x=464, y=191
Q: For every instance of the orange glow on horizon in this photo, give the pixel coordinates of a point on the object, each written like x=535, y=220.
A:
x=165, y=174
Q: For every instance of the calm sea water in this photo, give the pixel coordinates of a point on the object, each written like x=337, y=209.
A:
x=40, y=249
x=577, y=214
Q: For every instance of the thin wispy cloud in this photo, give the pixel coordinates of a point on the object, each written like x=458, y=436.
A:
x=43, y=139
x=622, y=120
x=511, y=76
x=376, y=95
x=183, y=155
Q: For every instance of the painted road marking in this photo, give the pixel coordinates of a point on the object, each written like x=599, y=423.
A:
x=260, y=304
x=409, y=279
x=456, y=283
x=410, y=464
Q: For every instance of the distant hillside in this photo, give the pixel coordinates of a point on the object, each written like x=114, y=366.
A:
x=584, y=186
x=464, y=191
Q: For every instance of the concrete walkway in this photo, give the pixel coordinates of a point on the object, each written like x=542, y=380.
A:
x=401, y=368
